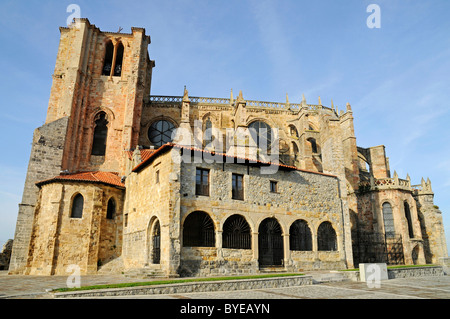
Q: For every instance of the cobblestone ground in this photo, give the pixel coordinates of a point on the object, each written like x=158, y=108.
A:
x=31, y=287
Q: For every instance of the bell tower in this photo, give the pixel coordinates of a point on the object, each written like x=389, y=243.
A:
x=99, y=84
x=100, y=81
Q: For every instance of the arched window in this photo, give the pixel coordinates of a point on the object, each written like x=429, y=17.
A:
x=326, y=237
x=109, y=53
x=295, y=150
x=270, y=243
x=156, y=239
x=408, y=219
x=77, y=206
x=100, y=135
x=313, y=143
x=261, y=133
x=293, y=130
x=207, y=132
x=388, y=219
x=119, y=60
x=198, y=231
x=236, y=233
x=111, y=209
x=300, y=237
x=160, y=132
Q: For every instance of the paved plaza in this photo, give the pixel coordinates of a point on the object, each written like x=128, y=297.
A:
x=432, y=287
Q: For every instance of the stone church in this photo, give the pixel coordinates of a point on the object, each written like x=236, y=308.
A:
x=246, y=187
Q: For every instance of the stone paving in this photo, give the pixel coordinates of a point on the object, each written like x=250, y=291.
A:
x=432, y=287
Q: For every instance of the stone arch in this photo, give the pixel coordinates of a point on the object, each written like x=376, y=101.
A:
x=270, y=243
x=198, y=230
x=326, y=237
x=300, y=236
x=154, y=240
x=237, y=233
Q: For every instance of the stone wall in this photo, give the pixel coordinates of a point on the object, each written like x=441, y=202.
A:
x=58, y=240
x=301, y=195
x=45, y=162
x=5, y=255
x=147, y=201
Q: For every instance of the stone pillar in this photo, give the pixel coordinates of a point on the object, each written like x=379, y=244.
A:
x=287, y=251
x=255, y=246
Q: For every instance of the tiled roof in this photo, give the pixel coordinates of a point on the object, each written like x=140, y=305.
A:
x=172, y=145
x=109, y=178
x=145, y=154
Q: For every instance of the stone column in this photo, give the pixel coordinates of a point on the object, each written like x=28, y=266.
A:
x=255, y=246
x=287, y=251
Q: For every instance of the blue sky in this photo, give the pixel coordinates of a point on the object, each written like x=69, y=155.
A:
x=397, y=77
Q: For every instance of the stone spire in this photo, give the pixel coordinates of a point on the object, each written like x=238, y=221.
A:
x=303, y=100
x=231, y=98
x=185, y=95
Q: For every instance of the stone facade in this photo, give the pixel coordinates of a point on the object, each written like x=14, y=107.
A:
x=102, y=119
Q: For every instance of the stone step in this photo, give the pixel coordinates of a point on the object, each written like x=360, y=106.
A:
x=319, y=278
x=272, y=269
x=143, y=273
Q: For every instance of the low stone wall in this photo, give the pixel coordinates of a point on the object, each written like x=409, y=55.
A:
x=415, y=272
x=225, y=285
x=402, y=272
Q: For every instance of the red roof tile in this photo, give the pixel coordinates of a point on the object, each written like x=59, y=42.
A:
x=109, y=178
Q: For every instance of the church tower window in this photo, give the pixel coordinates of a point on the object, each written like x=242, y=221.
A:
x=100, y=135
x=108, y=58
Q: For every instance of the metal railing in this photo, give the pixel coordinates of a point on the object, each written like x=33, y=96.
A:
x=250, y=103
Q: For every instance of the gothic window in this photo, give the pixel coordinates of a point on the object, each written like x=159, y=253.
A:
x=237, y=187
x=156, y=239
x=293, y=131
x=160, y=132
x=261, y=133
x=111, y=209
x=112, y=65
x=198, y=230
x=77, y=206
x=313, y=143
x=202, y=182
x=119, y=60
x=207, y=135
x=326, y=237
x=295, y=150
x=107, y=65
x=409, y=221
x=236, y=233
x=300, y=237
x=388, y=219
x=100, y=135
